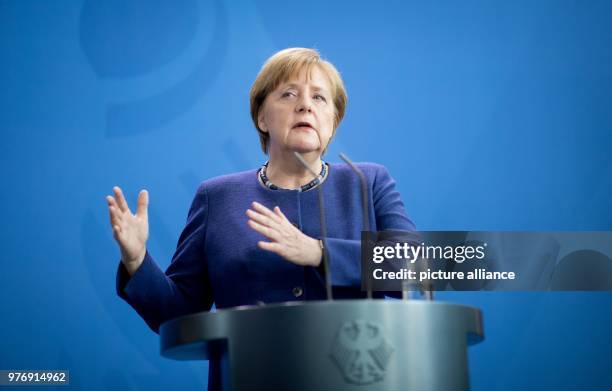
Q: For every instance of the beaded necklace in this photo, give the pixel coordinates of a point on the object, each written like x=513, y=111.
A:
x=264, y=179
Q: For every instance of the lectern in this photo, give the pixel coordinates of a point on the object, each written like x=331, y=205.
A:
x=354, y=345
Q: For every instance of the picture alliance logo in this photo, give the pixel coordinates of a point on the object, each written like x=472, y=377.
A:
x=412, y=253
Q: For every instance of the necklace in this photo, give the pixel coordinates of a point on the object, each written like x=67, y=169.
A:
x=264, y=179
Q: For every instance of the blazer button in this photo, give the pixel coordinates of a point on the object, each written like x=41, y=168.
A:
x=297, y=291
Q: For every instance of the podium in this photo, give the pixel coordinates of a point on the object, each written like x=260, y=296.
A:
x=332, y=345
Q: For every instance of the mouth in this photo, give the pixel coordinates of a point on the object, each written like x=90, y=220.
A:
x=304, y=125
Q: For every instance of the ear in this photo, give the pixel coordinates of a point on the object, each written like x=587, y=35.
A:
x=261, y=121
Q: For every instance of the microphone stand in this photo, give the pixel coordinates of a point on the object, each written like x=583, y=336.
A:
x=364, y=208
x=328, y=288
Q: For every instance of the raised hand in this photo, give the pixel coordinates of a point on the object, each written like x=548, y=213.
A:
x=131, y=231
x=285, y=239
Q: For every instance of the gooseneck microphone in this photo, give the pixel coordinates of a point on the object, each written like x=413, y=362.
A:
x=365, y=213
x=328, y=287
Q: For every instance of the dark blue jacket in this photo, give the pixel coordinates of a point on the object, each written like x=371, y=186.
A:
x=217, y=259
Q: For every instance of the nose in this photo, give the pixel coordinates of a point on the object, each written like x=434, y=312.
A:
x=304, y=105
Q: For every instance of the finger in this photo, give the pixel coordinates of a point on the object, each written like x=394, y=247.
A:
x=143, y=203
x=278, y=211
x=283, y=219
x=121, y=199
x=111, y=218
x=112, y=202
x=270, y=246
x=261, y=219
x=116, y=232
x=265, y=231
x=115, y=215
x=263, y=210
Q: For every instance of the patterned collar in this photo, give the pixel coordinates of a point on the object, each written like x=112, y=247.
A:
x=264, y=179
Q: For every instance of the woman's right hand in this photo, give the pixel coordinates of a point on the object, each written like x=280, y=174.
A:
x=131, y=231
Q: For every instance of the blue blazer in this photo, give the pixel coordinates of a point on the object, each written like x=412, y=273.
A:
x=217, y=259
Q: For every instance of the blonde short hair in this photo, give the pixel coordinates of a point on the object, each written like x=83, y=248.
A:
x=281, y=67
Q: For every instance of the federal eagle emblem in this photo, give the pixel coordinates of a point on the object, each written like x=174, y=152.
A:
x=361, y=352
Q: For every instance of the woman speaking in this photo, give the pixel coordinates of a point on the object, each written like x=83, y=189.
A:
x=254, y=237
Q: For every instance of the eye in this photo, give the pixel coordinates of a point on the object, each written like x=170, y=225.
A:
x=320, y=97
x=287, y=94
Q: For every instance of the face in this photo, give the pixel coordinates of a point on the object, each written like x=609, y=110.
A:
x=299, y=114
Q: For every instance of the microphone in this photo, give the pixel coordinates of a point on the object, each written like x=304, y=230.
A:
x=328, y=288
x=365, y=213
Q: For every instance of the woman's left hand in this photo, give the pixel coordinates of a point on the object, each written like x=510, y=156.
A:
x=285, y=239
